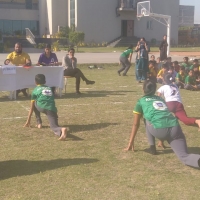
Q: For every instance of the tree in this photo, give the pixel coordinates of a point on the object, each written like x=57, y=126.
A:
x=76, y=37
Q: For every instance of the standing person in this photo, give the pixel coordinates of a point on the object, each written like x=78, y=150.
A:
x=19, y=58
x=48, y=59
x=142, y=60
x=70, y=62
x=125, y=60
x=42, y=101
x=163, y=48
x=161, y=124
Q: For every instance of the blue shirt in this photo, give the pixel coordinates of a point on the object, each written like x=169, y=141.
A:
x=44, y=59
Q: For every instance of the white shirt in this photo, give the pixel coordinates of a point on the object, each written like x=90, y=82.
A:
x=170, y=92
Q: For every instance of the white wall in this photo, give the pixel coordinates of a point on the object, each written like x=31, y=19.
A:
x=165, y=7
x=98, y=20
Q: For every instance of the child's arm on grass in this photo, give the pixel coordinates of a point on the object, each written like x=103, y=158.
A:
x=136, y=125
x=28, y=122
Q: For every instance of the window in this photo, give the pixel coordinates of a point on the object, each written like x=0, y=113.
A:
x=149, y=25
x=7, y=27
x=29, y=4
x=17, y=27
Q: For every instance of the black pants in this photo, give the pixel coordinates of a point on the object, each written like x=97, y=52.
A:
x=52, y=118
x=77, y=73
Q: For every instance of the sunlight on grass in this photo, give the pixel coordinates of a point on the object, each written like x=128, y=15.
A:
x=91, y=164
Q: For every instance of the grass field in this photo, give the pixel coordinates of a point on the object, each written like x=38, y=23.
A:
x=121, y=49
x=91, y=164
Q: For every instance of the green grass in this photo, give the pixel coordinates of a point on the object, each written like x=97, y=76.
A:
x=91, y=164
x=120, y=49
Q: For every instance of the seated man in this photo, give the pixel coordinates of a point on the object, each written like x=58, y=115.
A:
x=48, y=59
x=19, y=58
x=70, y=62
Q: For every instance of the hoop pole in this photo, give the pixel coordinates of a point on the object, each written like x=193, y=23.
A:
x=168, y=35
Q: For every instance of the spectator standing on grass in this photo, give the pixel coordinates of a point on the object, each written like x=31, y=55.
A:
x=42, y=101
x=19, y=58
x=70, y=64
x=160, y=124
x=142, y=60
x=125, y=60
x=163, y=49
x=48, y=59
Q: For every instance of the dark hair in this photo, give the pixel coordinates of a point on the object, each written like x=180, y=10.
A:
x=152, y=56
x=164, y=66
x=19, y=43
x=168, y=79
x=48, y=46
x=182, y=68
x=171, y=67
x=40, y=79
x=71, y=49
x=143, y=38
x=195, y=60
x=130, y=46
x=186, y=58
x=149, y=87
x=175, y=62
x=152, y=62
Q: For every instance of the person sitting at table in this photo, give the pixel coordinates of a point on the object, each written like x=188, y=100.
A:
x=19, y=58
x=70, y=62
x=48, y=59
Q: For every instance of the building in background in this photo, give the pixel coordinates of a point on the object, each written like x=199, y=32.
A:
x=100, y=20
x=186, y=16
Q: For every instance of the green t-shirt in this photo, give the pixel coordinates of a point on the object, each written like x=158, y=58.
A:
x=190, y=80
x=43, y=95
x=180, y=77
x=154, y=109
x=187, y=66
x=126, y=53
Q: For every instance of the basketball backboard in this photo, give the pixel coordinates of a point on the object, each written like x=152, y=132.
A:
x=143, y=9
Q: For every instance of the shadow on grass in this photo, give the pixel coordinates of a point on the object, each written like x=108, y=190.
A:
x=85, y=94
x=88, y=127
x=15, y=168
x=73, y=95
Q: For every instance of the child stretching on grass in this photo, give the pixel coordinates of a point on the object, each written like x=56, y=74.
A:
x=174, y=104
x=42, y=100
x=161, y=124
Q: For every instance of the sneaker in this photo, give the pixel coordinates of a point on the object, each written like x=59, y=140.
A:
x=90, y=82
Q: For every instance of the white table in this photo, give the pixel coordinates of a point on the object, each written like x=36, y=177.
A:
x=25, y=78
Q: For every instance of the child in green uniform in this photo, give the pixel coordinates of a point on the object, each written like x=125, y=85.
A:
x=180, y=77
x=42, y=100
x=125, y=60
x=190, y=81
x=161, y=124
x=186, y=64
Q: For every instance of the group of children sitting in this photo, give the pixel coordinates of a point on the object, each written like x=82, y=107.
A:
x=185, y=76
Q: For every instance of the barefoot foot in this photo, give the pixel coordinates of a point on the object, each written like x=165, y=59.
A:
x=161, y=144
x=39, y=125
x=63, y=135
